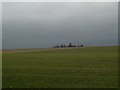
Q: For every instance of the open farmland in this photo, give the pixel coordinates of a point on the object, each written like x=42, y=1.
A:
x=87, y=67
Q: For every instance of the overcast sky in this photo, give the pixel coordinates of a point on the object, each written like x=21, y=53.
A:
x=0, y=25
x=60, y=0
x=41, y=25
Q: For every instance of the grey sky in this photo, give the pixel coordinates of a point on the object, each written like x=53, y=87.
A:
x=0, y=25
x=40, y=25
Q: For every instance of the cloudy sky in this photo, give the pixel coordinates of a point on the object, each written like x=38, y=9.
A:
x=42, y=25
x=0, y=25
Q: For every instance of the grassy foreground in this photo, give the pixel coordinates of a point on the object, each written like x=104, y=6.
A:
x=87, y=67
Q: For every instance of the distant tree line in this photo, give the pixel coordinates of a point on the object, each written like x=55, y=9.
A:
x=70, y=45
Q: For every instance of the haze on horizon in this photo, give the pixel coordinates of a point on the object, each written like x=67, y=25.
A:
x=43, y=25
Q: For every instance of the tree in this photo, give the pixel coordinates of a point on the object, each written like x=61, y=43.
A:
x=70, y=45
x=81, y=45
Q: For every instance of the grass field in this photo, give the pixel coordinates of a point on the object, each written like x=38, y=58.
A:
x=87, y=67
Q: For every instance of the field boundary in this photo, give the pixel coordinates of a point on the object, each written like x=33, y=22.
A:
x=43, y=49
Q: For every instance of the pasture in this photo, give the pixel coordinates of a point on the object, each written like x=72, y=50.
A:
x=87, y=67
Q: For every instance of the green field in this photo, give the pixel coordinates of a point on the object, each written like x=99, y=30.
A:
x=87, y=67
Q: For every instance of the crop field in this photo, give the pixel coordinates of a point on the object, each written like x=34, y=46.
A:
x=87, y=67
